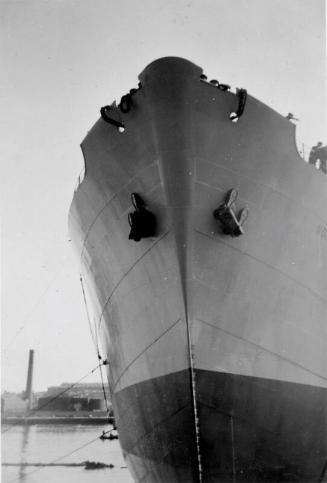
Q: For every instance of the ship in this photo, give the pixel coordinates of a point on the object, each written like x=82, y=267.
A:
x=202, y=237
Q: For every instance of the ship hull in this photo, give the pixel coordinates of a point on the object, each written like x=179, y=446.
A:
x=252, y=429
x=216, y=344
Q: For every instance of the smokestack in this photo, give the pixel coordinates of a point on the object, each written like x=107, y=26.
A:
x=29, y=382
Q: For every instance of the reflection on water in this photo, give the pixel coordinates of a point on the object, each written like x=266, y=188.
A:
x=22, y=469
x=43, y=444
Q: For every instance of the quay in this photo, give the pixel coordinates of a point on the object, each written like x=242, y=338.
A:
x=54, y=419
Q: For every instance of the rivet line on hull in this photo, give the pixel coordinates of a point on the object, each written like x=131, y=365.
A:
x=195, y=409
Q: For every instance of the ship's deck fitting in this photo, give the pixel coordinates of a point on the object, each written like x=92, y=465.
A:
x=242, y=97
x=110, y=120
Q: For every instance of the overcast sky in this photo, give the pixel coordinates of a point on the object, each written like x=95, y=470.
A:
x=64, y=59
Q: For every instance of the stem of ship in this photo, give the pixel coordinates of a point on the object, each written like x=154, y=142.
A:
x=183, y=248
x=195, y=409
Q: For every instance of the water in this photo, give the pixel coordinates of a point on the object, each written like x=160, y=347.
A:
x=44, y=443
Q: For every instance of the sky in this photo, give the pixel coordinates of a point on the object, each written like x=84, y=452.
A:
x=64, y=59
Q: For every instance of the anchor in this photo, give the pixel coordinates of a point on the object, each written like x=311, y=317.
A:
x=143, y=223
x=231, y=223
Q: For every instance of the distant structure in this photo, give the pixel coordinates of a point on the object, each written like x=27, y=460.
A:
x=12, y=404
x=69, y=399
x=74, y=398
x=68, y=403
x=29, y=382
x=89, y=390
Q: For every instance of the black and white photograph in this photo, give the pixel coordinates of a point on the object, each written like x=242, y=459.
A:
x=163, y=241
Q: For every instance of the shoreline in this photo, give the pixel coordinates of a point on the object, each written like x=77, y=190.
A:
x=56, y=420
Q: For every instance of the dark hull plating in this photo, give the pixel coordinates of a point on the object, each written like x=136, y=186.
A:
x=253, y=430
x=217, y=345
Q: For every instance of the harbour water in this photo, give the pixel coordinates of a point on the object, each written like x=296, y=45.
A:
x=46, y=443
